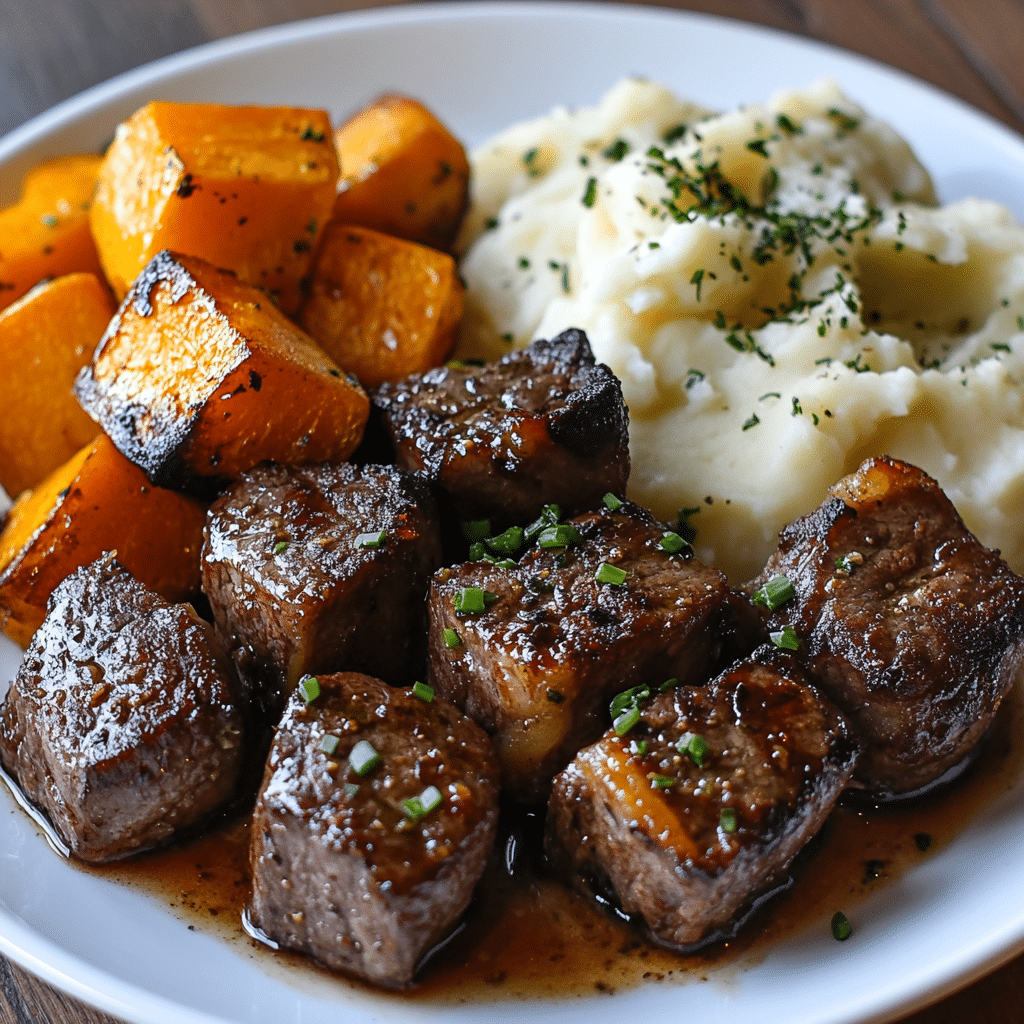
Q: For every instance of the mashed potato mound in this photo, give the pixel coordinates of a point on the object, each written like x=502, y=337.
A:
x=778, y=293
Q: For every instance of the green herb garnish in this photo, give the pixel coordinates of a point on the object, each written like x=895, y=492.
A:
x=610, y=574
x=774, y=593
x=363, y=758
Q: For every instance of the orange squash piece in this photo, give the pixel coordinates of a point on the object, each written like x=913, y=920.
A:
x=245, y=188
x=46, y=233
x=382, y=307
x=403, y=173
x=96, y=502
x=46, y=337
x=201, y=376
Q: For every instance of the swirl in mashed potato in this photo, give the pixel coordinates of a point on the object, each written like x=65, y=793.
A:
x=779, y=294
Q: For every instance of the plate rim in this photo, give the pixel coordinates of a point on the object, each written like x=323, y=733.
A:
x=96, y=987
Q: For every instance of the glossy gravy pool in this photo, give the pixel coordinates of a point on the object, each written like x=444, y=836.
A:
x=527, y=936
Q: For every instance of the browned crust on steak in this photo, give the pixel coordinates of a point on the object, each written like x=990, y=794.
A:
x=544, y=424
x=635, y=818
x=123, y=723
x=340, y=872
x=908, y=623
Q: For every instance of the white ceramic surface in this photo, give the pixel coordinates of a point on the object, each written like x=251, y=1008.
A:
x=481, y=66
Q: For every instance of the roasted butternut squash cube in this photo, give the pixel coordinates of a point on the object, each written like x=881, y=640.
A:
x=96, y=502
x=402, y=172
x=46, y=337
x=381, y=307
x=46, y=233
x=246, y=188
x=200, y=377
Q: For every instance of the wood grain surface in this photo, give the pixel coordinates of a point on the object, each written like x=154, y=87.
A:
x=51, y=49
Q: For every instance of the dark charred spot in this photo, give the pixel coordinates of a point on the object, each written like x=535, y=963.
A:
x=185, y=187
x=444, y=172
x=255, y=380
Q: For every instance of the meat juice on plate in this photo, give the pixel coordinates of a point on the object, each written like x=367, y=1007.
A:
x=528, y=936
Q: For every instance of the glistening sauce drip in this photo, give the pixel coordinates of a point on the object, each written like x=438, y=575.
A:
x=527, y=936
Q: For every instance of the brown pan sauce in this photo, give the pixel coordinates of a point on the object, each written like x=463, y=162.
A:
x=528, y=936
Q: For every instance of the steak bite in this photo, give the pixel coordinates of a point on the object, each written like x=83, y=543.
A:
x=544, y=424
x=319, y=568
x=376, y=816
x=123, y=723
x=903, y=618
x=552, y=639
x=697, y=811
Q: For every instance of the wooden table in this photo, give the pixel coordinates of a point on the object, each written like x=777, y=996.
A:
x=51, y=49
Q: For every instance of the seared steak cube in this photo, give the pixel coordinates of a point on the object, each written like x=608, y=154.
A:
x=374, y=823
x=555, y=637
x=543, y=425
x=699, y=808
x=122, y=723
x=904, y=619
x=320, y=568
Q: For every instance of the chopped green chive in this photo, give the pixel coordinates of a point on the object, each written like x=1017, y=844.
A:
x=625, y=708
x=617, y=150
x=508, y=543
x=844, y=565
x=694, y=746
x=311, y=134
x=473, y=600
x=281, y=545
x=668, y=685
x=560, y=536
x=639, y=748
x=752, y=422
x=611, y=502
x=628, y=698
x=309, y=687
x=662, y=781
x=684, y=527
x=417, y=807
x=610, y=574
x=329, y=744
x=774, y=593
x=363, y=758
x=785, y=638
x=549, y=516
x=727, y=819
x=672, y=542
x=476, y=529
x=555, y=697
x=350, y=789
x=590, y=195
x=477, y=551
x=698, y=277
x=48, y=220
x=452, y=639
x=841, y=927
x=424, y=692
x=370, y=540
x=757, y=146
x=626, y=720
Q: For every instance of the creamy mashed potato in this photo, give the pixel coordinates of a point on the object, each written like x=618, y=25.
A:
x=779, y=294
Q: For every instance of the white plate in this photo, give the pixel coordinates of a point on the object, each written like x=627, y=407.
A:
x=482, y=66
